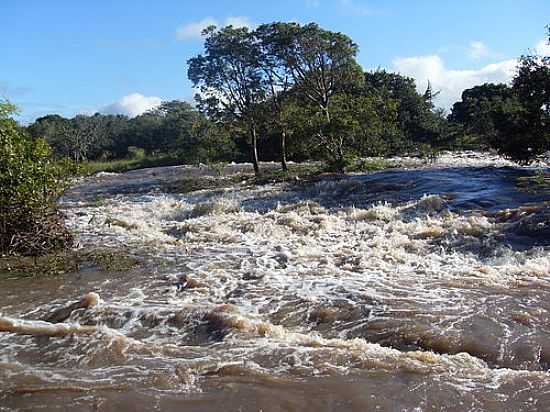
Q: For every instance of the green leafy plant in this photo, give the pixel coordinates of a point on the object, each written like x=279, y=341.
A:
x=30, y=183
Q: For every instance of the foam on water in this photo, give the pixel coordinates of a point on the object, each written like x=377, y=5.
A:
x=315, y=280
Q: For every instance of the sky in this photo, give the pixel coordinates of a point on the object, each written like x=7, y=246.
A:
x=127, y=56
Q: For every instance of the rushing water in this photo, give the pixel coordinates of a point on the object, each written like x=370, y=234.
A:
x=407, y=290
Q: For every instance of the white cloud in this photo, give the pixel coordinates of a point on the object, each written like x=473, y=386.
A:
x=478, y=50
x=193, y=30
x=313, y=3
x=132, y=105
x=238, y=21
x=451, y=82
x=543, y=48
x=353, y=7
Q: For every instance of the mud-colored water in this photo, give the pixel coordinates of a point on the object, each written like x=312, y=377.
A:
x=407, y=290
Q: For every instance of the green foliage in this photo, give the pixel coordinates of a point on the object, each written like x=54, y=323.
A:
x=7, y=110
x=417, y=121
x=513, y=120
x=208, y=143
x=136, y=153
x=125, y=165
x=30, y=183
x=230, y=80
x=359, y=126
x=475, y=112
x=72, y=138
x=286, y=89
x=532, y=88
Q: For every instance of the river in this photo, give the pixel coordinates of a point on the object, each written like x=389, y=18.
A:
x=424, y=288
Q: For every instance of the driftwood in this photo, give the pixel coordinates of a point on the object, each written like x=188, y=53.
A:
x=52, y=326
x=41, y=328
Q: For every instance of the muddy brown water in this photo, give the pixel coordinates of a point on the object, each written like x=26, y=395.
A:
x=407, y=290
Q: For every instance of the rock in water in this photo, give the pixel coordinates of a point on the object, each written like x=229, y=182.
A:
x=89, y=300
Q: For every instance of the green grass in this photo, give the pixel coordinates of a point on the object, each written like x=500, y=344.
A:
x=538, y=183
x=192, y=184
x=125, y=165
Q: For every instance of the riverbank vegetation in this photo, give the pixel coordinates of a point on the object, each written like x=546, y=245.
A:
x=30, y=183
x=280, y=92
x=285, y=91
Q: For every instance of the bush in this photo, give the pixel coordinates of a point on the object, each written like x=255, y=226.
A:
x=30, y=184
x=136, y=153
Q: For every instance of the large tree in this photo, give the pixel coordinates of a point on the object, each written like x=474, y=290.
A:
x=532, y=87
x=322, y=64
x=229, y=80
x=273, y=40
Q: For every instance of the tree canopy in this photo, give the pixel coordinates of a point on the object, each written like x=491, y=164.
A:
x=514, y=120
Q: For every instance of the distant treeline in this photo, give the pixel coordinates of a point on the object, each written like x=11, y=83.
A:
x=285, y=90
x=403, y=119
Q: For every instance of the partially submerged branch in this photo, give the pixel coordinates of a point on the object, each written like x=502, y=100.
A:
x=42, y=328
x=52, y=326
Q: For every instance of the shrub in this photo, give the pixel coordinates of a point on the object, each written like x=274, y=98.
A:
x=136, y=153
x=30, y=184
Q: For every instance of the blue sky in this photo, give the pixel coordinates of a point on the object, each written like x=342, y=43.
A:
x=125, y=56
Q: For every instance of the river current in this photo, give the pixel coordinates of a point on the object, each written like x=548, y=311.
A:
x=414, y=289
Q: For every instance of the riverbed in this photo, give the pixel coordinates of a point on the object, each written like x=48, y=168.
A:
x=420, y=288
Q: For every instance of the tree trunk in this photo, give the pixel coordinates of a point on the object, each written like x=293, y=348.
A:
x=41, y=328
x=283, y=151
x=327, y=115
x=340, y=154
x=254, y=148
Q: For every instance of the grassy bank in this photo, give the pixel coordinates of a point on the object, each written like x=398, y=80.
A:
x=125, y=165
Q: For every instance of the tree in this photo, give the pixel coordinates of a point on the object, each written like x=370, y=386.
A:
x=79, y=136
x=209, y=142
x=176, y=120
x=73, y=138
x=110, y=134
x=273, y=40
x=523, y=125
x=322, y=64
x=532, y=88
x=229, y=80
x=48, y=127
x=360, y=126
x=514, y=120
x=418, y=123
x=476, y=111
